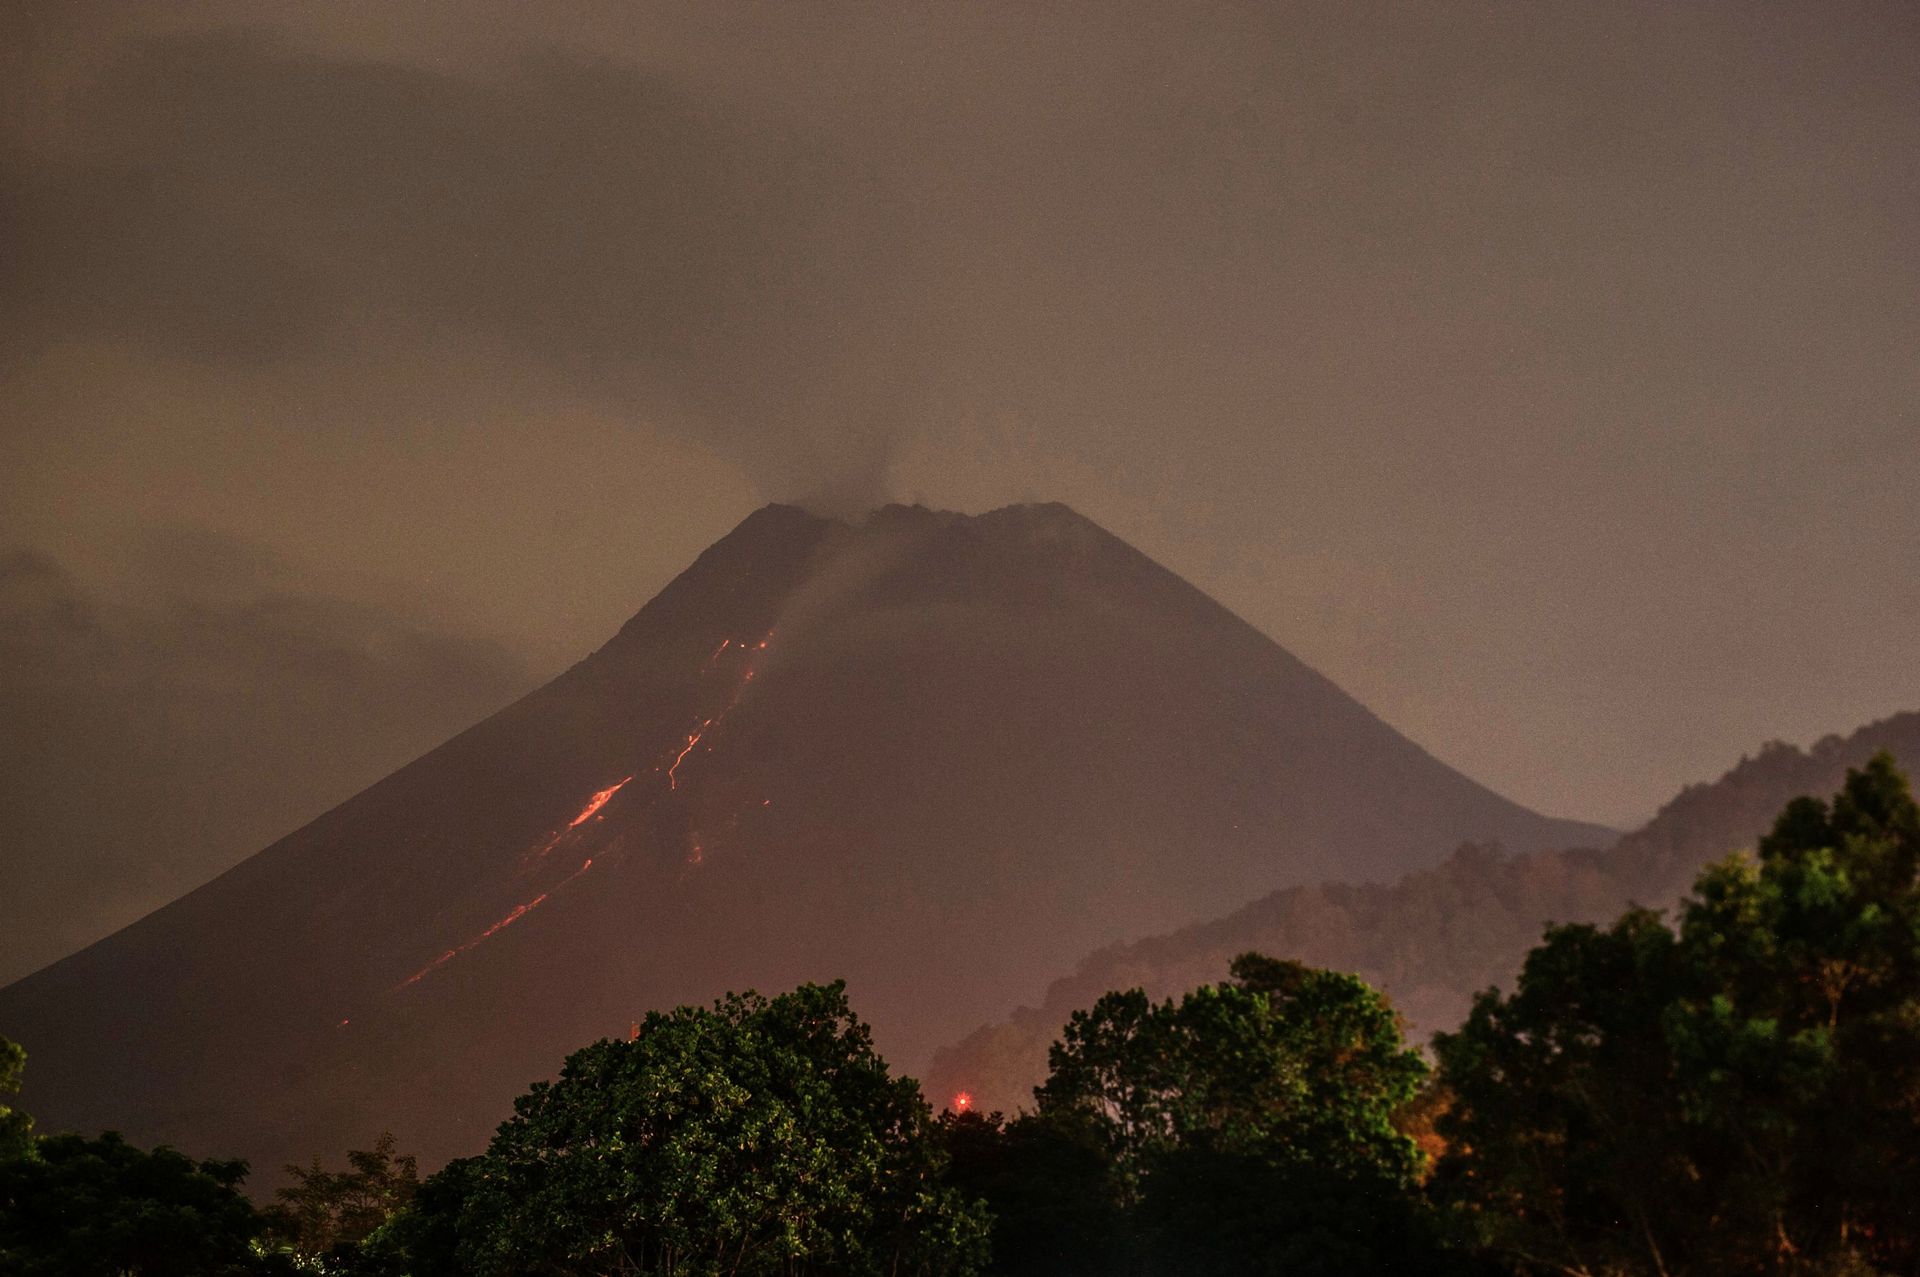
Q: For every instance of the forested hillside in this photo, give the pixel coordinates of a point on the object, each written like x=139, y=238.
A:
x=1436, y=936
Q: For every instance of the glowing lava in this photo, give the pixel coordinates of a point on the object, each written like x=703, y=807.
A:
x=750, y=651
x=673, y=779
x=708, y=724
x=595, y=803
x=514, y=915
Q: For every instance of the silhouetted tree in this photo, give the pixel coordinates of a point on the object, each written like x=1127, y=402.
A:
x=78, y=1207
x=1736, y=1098
x=323, y=1210
x=1048, y=1184
x=16, y=1128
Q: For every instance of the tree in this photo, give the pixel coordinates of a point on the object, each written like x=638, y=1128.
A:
x=79, y=1207
x=1250, y=1127
x=1739, y=1097
x=1048, y=1184
x=1282, y=1060
x=323, y=1210
x=759, y=1136
x=16, y=1128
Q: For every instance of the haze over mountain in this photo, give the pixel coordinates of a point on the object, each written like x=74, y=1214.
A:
x=938, y=755
x=1440, y=934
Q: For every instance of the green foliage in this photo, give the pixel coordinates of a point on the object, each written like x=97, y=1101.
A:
x=758, y=1136
x=1285, y=1061
x=324, y=1210
x=1740, y=1097
x=1250, y=1126
x=16, y=1128
x=80, y=1207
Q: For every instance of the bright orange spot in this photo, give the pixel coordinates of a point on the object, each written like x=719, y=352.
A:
x=963, y=1102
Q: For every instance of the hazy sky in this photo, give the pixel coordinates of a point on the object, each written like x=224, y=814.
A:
x=1547, y=375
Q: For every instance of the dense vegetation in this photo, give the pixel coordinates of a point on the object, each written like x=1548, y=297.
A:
x=1738, y=1092
x=1739, y=1095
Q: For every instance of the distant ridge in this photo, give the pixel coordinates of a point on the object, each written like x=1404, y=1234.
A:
x=941, y=756
x=1436, y=936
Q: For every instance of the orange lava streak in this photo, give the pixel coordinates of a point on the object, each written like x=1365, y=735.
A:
x=706, y=725
x=514, y=915
x=595, y=803
x=673, y=779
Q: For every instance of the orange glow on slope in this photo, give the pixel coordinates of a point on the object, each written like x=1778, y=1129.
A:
x=514, y=915
x=747, y=668
x=673, y=779
x=708, y=724
x=595, y=803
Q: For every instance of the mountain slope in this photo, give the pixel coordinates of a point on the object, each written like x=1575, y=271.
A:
x=940, y=756
x=1438, y=935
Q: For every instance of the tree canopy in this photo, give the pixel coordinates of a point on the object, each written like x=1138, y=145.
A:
x=1249, y=1126
x=79, y=1207
x=16, y=1128
x=1736, y=1095
x=757, y=1136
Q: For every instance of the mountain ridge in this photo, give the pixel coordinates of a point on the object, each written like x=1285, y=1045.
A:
x=1438, y=935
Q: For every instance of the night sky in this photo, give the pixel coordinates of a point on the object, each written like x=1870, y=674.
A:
x=1548, y=376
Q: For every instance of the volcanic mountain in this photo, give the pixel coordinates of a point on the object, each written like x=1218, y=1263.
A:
x=940, y=756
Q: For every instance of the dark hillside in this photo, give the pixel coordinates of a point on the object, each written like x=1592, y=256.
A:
x=1437, y=935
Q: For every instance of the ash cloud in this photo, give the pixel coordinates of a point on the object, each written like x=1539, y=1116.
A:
x=229, y=199
x=151, y=742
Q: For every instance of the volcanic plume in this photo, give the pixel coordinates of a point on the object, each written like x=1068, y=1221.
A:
x=937, y=755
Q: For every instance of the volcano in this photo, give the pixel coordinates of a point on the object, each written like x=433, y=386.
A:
x=940, y=756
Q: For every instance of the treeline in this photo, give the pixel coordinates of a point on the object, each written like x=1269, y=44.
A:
x=1735, y=1092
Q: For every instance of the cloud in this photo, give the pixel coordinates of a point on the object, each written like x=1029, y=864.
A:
x=225, y=198
x=148, y=744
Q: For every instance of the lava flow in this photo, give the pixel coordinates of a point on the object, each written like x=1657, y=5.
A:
x=594, y=804
x=514, y=915
x=602, y=797
x=695, y=736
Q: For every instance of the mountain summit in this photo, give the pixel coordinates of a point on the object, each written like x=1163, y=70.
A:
x=942, y=756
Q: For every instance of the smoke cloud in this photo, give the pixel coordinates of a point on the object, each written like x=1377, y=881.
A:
x=226, y=198
x=151, y=743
